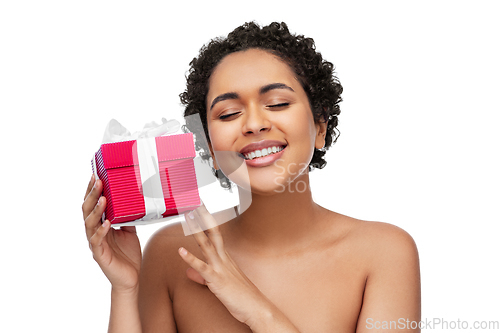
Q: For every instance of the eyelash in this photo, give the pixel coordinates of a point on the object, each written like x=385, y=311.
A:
x=225, y=116
x=278, y=105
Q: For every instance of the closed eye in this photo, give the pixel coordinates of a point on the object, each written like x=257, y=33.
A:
x=224, y=116
x=280, y=105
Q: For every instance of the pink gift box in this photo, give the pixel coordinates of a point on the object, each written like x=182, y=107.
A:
x=118, y=167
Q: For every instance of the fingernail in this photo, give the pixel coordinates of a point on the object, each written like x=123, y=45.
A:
x=191, y=215
x=99, y=202
x=182, y=251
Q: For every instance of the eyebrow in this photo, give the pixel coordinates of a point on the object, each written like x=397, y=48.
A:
x=272, y=86
x=262, y=91
x=223, y=97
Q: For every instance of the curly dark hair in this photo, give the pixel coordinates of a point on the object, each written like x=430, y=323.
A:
x=316, y=76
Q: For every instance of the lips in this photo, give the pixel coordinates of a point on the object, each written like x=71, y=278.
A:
x=261, y=145
x=266, y=160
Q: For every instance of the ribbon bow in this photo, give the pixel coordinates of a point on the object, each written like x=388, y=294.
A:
x=116, y=132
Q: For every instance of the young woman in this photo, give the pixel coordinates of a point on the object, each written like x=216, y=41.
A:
x=286, y=264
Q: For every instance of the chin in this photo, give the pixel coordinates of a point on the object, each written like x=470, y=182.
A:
x=267, y=191
x=269, y=185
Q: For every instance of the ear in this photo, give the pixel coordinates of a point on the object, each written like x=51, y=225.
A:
x=320, y=134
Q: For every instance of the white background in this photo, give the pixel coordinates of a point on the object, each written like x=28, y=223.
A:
x=418, y=149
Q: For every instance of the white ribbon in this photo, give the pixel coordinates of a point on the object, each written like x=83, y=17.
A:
x=154, y=200
x=116, y=132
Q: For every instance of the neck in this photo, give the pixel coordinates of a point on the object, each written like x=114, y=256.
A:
x=280, y=221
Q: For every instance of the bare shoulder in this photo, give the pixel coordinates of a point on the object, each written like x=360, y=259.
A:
x=161, y=244
x=378, y=241
x=165, y=238
x=161, y=251
x=389, y=244
x=388, y=257
x=384, y=236
x=160, y=257
x=155, y=299
x=378, y=249
x=160, y=269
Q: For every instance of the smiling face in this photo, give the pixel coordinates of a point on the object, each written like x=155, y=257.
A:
x=255, y=102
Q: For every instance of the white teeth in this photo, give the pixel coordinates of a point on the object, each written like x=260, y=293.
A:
x=263, y=152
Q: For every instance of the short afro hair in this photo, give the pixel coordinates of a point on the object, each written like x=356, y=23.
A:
x=316, y=75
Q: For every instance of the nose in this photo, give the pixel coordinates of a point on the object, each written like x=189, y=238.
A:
x=256, y=121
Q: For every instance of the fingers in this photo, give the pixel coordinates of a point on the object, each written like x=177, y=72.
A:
x=210, y=241
x=91, y=197
x=193, y=275
x=207, y=234
x=201, y=220
x=93, y=220
x=96, y=241
x=212, y=228
x=89, y=186
x=129, y=228
x=202, y=268
x=208, y=250
x=192, y=222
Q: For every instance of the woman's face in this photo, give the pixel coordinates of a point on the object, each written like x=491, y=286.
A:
x=255, y=102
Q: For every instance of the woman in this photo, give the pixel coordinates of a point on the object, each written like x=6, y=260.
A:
x=286, y=264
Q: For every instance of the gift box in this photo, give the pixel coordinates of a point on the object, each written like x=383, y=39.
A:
x=148, y=178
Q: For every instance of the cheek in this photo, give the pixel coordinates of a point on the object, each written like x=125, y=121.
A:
x=221, y=136
x=301, y=129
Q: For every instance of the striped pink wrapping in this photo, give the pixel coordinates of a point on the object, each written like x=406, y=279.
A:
x=117, y=167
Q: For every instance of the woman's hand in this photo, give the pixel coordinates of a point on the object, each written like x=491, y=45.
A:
x=220, y=273
x=118, y=252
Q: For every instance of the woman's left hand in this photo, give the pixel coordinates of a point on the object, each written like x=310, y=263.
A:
x=220, y=273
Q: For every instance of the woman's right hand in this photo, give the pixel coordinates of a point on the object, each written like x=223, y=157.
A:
x=117, y=251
